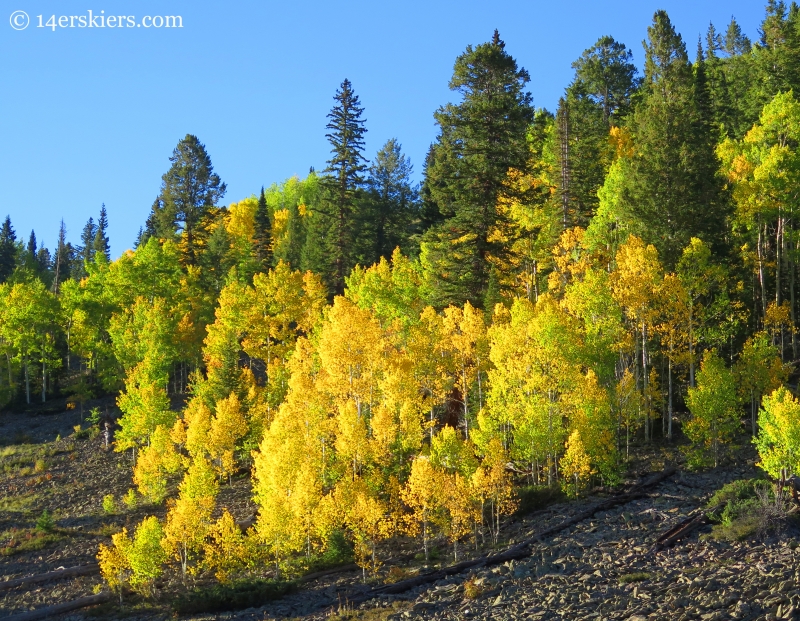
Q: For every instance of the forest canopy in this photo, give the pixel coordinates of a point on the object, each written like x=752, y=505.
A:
x=391, y=358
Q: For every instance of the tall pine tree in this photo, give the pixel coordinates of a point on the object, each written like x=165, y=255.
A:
x=100, y=244
x=392, y=200
x=263, y=233
x=331, y=243
x=480, y=139
x=8, y=250
x=189, y=191
x=673, y=190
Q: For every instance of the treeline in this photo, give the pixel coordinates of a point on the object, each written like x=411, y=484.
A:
x=390, y=359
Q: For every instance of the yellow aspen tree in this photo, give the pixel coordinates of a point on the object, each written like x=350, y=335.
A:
x=197, y=418
x=189, y=516
x=630, y=403
x=228, y=426
x=575, y=465
x=351, y=347
x=465, y=330
x=494, y=486
x=714, y=407
x=422, y=495
x=593, y=416
x=146, y=555
x=225, y=550
x=758, y=372
x=352, y=442
x=462, y=508
x=156, y=462
x=635, y=284
x=115, y=568
x=368, y=521
x=432, y=364
x=281, y=305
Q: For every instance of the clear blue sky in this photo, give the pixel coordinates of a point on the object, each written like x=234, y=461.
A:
x=91, y=115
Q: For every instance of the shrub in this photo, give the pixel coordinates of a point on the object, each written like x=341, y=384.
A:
x=45, y=522
x=235, y=596
x=130, y=499
x=109, y=506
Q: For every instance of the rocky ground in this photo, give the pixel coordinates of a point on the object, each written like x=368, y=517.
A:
x=601, y=568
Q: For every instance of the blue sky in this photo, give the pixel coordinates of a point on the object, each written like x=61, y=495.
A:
x=91, y=115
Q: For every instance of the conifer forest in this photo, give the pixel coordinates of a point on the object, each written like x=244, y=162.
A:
x=381, y=361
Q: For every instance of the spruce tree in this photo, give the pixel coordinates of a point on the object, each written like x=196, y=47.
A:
x=333, y=232
x=480, y=139
x=61, y=264
x=100, y=244
x=8, y=250
x=263, y=233
x=88, y=235
x=189, y=190
x=392, y=200
x=673, y=190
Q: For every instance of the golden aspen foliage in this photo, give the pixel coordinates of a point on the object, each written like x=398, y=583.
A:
x=225, y=550
x=465, y=331
x=575, y=465
x=758, y=371
x=493, y=486
x=156, y=462
x=197, y=417
x=594, y=416
x=368, y=520
x=422, y=494
x=778, y=439
x=228, y=426
x=462, y=508
x=351, y=347
x=630, y=406
x=189, y=516
x=115, y=568
x=431, y=363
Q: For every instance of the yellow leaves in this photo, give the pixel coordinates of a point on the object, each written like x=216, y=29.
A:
x=241, y=219
x=198, y=423
x=227, y=427
x=575, y=465
x=351, y=347
x=636, y=279
x=113, y=560
x=621, y=142
x=225, y=550
x=778, y=440
x=155, y=462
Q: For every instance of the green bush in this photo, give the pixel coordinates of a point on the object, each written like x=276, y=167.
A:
x=536, y=497
x=109, y=506
x=45, y=522
x=235, y=596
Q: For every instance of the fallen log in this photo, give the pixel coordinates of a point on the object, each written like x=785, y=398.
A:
x=75, y=604
x=518, y=551
x=59, y=574
x=683, y=528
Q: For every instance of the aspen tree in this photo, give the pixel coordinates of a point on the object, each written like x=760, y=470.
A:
x=575, y=465
x=189, y=516
x=228, y=426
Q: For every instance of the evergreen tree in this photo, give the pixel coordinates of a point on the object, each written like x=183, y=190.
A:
x=479, y=140
x=333, y=230
x=8, y=250
x=61, y=265
x=263, y=233
x=100, y=244
x=392, y=200
x=673, y=190
x=605, y=73
x=189, y=189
